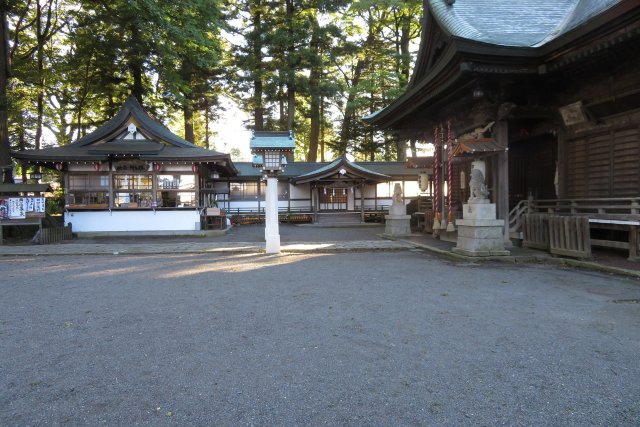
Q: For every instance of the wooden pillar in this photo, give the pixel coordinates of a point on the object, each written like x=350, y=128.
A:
x=362, y=201
x=562, y=163
x=500, y=167
x=314, y=202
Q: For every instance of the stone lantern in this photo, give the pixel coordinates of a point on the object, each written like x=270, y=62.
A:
x=270, y=150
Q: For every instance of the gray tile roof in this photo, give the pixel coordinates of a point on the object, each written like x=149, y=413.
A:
x=297, y=169
x=520, y=23
x=266, y=140
x=160, y=143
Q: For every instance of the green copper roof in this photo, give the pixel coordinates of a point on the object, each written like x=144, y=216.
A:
x=263, y=140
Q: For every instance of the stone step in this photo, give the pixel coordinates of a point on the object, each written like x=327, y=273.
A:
x=339, y=217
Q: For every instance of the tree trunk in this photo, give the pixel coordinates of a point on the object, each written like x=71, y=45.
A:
x=206, y=122
x=314, y=89
x=6, y=166
x=321, y=130
x=187, y=109
x=40, y=68
x=135, y=64
x=401, y=146
x=349, y=109
x=405, y=55
x=258, y=108
x=291, y=72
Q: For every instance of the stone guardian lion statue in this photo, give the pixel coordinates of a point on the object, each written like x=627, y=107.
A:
x=477, y=187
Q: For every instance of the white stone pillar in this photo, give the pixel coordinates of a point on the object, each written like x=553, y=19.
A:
x=272, y=231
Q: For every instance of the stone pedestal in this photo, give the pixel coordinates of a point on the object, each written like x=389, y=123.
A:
x=397, y=225
x=479, y=232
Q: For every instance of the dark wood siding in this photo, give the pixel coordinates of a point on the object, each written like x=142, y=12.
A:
x=604, y=164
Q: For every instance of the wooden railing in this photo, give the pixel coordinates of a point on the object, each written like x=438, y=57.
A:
x=623, y=208
x=596, y=215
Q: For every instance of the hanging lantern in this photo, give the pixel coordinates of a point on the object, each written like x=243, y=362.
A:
x=194, y=168
x=59, y=166
x=157, y=167
x=97, y=166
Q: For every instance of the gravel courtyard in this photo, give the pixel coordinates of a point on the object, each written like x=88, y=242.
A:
x=356, y=338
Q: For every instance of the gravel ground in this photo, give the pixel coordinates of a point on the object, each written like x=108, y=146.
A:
x=340, y=339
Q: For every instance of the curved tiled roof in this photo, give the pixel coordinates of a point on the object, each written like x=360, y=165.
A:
x=522, y=23
x=158, y=143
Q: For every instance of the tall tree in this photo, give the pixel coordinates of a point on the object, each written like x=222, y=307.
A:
x=6, y=167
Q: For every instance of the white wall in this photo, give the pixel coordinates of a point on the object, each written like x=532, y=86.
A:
x=301, y=191
x=104, y=221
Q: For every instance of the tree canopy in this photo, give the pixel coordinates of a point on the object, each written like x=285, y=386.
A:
x=312, y=66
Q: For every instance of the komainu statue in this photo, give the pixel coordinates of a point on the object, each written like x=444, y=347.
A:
x=477, y=186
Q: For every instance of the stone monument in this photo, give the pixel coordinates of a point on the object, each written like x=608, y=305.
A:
x=397, y=223
x=479, y=232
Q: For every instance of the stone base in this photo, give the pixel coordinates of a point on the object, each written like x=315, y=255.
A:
x=480, y=237
x=397, y=225
x=479, y=210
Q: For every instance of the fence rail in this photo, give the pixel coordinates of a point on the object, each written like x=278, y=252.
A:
x=570, y=236
x=55, y=235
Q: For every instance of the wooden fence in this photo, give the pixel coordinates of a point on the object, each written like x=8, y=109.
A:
x=570, y=236
x=535, y=231
x=55, y=235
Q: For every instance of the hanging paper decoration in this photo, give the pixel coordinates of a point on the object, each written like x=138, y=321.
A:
x=194, y=168
x=59, y=166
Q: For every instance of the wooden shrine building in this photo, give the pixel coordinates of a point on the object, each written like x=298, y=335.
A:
x=546, y=91
x=132, y=175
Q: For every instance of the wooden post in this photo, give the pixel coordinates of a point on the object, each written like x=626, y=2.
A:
x=501, y=184
x=314, y=202
x=361, y=201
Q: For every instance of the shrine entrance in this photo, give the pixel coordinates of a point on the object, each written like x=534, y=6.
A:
x=333, y=199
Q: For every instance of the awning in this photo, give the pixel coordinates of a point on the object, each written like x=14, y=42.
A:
x=478, y=147
x=24, y=188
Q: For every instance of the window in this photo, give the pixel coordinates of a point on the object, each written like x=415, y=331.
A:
x=176, y=191
x=88, y=191
x=88, y=199
x=132, y=182
x=88, y=182
x=243, y=190
x=130, y=191
x=271, y=160
x=385, y=189
x=176, y=199
x=132, y=200
x=176, y=182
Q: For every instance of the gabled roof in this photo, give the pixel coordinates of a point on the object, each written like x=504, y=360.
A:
x=262, y=140
x=502, y=38
x=130, y=112
x=341, y=167
x=391, y=170
x=132, y=132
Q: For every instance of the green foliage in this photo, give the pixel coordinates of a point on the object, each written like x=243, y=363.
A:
x=316, y=66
